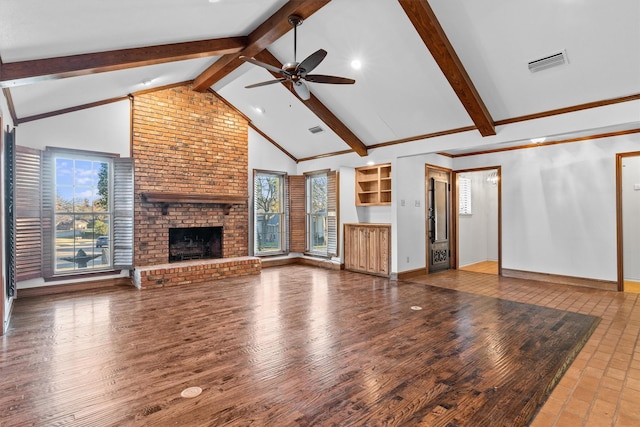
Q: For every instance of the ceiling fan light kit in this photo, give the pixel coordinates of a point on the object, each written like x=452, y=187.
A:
x=297, y=72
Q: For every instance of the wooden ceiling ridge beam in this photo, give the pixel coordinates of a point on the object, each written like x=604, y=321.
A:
x=24, y=72
x=276, y=26
x=319, y=109
x=428, y=27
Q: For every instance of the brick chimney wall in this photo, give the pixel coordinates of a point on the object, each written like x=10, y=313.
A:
x=192, y=143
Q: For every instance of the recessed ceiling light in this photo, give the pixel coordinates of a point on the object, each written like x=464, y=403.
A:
x=371, y=163
x=259, y=110
x=147, y=82
x=538, y=140
x=356, y=64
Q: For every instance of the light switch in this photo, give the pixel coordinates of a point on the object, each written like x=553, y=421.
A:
x=636, y=187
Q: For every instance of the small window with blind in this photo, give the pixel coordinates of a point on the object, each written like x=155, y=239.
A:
x=464, y=196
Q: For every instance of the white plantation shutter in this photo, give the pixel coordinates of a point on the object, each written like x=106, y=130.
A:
x=297, y=213
x=48, y=206
x=123, y=197
x=28, y=226
x=332, y=213
x=464, y=199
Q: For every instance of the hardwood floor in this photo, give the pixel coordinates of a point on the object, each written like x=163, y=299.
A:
x=293, y=346
x=487, y=267
x=632, y=286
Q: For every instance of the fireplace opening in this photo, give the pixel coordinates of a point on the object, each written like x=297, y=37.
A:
x=195, y=243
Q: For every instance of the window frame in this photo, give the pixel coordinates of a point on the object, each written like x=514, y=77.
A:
x=121, y=207
x=309, y=215
x=283, y=212
x=75, y=156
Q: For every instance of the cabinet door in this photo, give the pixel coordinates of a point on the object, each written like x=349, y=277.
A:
x=373, y=251
x=363, y=248
x=351, y=247
x=383, y=250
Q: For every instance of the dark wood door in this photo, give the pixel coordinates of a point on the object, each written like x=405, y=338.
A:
x=438, y=219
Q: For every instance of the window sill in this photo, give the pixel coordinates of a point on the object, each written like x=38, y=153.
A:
x=82, y=275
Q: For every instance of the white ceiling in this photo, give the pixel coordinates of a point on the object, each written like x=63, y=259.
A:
x=400, y=92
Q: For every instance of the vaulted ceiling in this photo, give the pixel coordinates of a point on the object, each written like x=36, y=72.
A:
x=429, y=68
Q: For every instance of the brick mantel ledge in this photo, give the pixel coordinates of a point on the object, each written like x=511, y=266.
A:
x=168, y=198
x=194, y=271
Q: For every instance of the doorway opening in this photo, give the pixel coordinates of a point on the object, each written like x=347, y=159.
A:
x=478, y=220
x=628, y=220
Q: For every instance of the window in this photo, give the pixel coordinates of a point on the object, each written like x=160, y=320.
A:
x=317, y=208
x=464, y=196
x=83, y=213
x=86, y=212
x=269, y=200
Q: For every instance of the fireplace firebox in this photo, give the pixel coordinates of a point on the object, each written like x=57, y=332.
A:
x=195, y=243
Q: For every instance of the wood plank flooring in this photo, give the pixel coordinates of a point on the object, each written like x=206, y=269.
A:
x=295, y=346
x=487, y=267
x=632, y=286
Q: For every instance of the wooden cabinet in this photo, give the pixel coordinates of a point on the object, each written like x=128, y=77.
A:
x=373, y=185
x=367, y=248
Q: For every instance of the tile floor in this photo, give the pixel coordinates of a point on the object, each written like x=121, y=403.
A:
x=602, y=386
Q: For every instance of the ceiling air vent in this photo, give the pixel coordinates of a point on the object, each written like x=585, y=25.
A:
x=316, y=129
x=554, y=60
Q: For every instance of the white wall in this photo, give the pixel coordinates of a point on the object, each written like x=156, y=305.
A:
x=104, y=129
x=559, y=206
x=631, y=216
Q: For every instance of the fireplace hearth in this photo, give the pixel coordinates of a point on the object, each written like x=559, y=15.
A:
x=195, y=243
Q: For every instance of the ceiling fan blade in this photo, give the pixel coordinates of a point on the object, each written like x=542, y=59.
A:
x=321, y=78
x=263, y=65
x=302, y=90
x=311, y=62
x=268, y=82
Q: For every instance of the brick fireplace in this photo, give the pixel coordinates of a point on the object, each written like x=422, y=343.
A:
x=190, y=152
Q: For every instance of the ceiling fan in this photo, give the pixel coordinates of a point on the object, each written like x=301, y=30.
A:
x=297, y=72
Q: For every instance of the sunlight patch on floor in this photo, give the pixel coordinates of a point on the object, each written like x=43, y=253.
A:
x=488, y=267
x=632, y=286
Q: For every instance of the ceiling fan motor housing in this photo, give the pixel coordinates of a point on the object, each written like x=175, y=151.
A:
x=296, y=72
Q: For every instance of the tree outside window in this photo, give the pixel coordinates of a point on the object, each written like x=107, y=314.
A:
x=82, y=214
x=269, y=203
x=317, y=207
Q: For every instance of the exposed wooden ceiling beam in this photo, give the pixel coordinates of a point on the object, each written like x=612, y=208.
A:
x=23, y=72
x=319, y=109
x=268, y=32
x=426, y=24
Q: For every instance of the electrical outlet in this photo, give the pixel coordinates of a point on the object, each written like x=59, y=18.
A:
x=417, y=203
x=407, y=259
